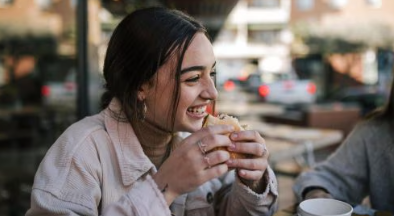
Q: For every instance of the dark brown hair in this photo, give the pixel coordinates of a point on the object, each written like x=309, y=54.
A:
x=385, y=113
x=141, y=43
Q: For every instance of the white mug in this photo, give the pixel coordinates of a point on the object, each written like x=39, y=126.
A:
x=324, y=207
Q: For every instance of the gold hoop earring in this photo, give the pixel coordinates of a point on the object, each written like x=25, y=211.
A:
x=143, y=111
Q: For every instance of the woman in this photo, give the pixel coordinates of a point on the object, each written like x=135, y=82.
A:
x=131, y=159
x=362, y=166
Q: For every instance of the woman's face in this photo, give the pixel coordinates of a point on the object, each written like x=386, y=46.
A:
x=197, y=88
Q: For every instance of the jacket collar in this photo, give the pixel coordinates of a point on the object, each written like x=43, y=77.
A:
x=132, y=160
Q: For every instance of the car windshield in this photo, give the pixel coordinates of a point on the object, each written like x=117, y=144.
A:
x=273, y=77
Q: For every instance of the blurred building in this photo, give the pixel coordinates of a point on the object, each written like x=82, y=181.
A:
x=343, y=13
x=53, y=20
x=31, y=16
x=255, y=31
x=364, y=22
x=346, y=45
x=19, y=18
x=51, y=17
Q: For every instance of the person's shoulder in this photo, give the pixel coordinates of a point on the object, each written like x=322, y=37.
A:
x=78, y=133
x=372, y=129
x=87, y=124
x=72, y=147
x=373, y=124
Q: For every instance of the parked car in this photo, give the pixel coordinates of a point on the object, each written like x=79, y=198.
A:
x=62, y=95
x=253, y=81
x=291, y=91
x=280, y=88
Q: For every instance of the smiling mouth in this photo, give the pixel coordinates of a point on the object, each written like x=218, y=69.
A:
x=197, y=110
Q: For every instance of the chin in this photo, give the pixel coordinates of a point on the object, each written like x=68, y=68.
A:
x=190, y=127
x=192, y=130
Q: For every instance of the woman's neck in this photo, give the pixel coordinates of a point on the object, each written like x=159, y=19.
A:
x=154, y=141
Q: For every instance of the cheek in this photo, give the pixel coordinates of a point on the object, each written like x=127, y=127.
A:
x=164, y=98
x=160, y=101
x=187, y=98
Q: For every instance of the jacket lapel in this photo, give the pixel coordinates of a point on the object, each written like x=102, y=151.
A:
x=132, y=161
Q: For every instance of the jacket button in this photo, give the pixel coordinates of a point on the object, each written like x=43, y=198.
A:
x=209, y=198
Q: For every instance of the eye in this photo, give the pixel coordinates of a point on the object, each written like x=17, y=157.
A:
x=194, y=78
x=213, y=74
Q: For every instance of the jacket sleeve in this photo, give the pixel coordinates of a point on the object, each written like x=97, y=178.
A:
x=345, y=173
x=241, y=200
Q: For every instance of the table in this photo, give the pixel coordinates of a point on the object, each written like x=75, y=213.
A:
x=289, y=211
x=286, y=142
x=336, y=116
x=245, y=109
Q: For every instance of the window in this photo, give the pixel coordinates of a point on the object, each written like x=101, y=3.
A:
x=338, y=4
x=264, y=3
x=305, y=5
x=227, y=35
x=4, y=3
x=43, y=4
x=263, y=36
x=374, y=3
x=2, y=74
x=73, y=3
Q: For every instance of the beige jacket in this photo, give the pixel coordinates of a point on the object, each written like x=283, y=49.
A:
x=98, y=167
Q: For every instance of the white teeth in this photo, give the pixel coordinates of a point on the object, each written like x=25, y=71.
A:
x=199, y=110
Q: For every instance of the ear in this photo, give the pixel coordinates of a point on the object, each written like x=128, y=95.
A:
x=143, y=91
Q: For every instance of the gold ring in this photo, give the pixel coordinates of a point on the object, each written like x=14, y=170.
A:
x=265, y=150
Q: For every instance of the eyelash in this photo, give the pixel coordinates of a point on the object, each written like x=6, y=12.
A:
x=213, y=73
x=197, y=77
x=194, y=79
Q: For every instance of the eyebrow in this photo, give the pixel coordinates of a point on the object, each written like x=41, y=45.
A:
x=195, y=68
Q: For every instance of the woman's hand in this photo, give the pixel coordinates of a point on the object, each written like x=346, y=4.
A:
x=251, y=169
x=190, y=166
x=317, y=193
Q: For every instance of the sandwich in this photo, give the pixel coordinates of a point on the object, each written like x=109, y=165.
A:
x=227, y=120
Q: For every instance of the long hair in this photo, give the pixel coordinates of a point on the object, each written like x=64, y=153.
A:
x=141, y=43
x=386, y=112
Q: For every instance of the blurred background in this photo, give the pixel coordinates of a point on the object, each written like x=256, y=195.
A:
x=310, y=66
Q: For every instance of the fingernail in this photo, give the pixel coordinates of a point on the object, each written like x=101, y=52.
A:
x=231, y=146
x=234, y=135
x=229, y=162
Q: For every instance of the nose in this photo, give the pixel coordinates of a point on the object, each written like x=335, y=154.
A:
x=210, y=92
